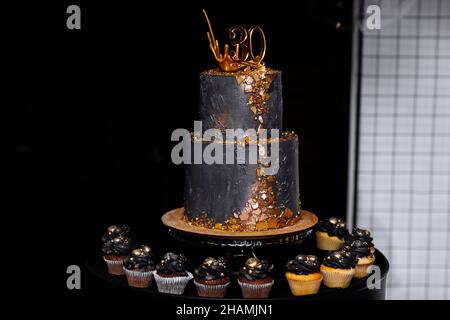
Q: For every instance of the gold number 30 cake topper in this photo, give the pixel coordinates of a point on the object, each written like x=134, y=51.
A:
x=242, y=53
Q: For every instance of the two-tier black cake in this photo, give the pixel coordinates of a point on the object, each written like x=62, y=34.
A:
x=240, y=195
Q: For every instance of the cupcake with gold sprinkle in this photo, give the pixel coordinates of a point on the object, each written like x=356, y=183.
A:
x=212, y=278
x=116, y=246
x=303, y=275
x=363, y=254
x=363, y=235
x=139, y=266
x=330, y=234
x=338, y=269
x=254, y=278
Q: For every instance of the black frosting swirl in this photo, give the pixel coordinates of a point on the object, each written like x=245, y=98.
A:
x=303, y=264
x=359, y=234
x=359, y=248
x=172, y=264
x=256, y=269
x=211, y=269
x=340, y=260
x=140, y=259
x=334, y=227
x=116, y=240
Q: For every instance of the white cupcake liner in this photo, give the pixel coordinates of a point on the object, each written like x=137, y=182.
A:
x=339, y=278
x=172, y=285
x=250, y=290
x=138, y=278
x=214, y=290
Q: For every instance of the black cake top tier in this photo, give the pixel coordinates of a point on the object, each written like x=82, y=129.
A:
x=249, y=98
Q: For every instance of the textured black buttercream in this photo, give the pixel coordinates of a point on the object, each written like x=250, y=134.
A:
x=224, y=104
x=340, y=260
x=303, y=264
x=116, y=241
x=333, y=227
x=172, y=264
x=359, y=248
x=219, y=190
x=211, y=269
x=256, y=269
x=359, y=234
x=140, y=259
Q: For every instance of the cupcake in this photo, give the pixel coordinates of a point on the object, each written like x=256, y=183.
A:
x=116, y=247
x=303, y=275
x=360, y=234
x=254, y=278
x=338, y=269
x=330, y=234
x=171, y=275
x=364, y=257
x=139, y=266
x=211, y=278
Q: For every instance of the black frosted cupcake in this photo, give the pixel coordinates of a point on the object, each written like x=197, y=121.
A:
x=116, y=246
x=303, y=275
x=254, y=278
x=330, y=234
x=363, y=235
x=212, y=278
x=364, y=256
x=139, y=266
x=338, y=269
x=171, y=275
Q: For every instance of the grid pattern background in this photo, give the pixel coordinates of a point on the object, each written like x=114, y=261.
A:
x=403, y=177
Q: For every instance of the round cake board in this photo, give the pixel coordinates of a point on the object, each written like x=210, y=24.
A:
x=179, y=227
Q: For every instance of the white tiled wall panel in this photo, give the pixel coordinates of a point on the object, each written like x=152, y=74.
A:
x=403, y=189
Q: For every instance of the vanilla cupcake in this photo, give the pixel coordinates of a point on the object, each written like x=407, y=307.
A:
x=116, y=246
x=363, y=235
x=330, y=234
x=338, y=269
x=171, y=275
x=303, y=275
x=363, y=254
x=139, y=266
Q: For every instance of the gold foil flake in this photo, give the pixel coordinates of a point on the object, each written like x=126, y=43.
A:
x=262, y=225
x=272, y=223
x=288, y=213
x=218, y=226
x=240, y=79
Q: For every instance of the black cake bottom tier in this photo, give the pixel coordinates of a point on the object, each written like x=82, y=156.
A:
x=247, y=195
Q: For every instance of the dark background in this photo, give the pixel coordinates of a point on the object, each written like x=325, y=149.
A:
x=88, y=113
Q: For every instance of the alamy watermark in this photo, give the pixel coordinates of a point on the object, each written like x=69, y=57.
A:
x=237, y=147
x=74, y=279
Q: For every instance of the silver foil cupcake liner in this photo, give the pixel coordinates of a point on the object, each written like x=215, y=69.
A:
x=250, y=290
x=172, y=285
x=215, y=290
x=115, y=267
x=139, y=279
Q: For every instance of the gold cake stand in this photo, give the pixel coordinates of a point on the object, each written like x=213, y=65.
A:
x=180, y=229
